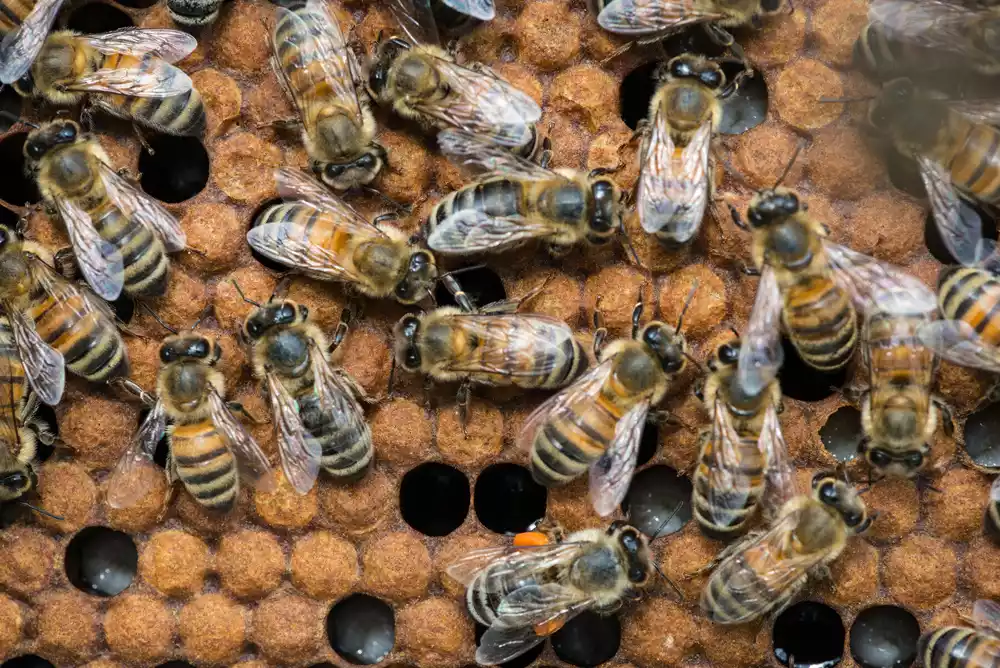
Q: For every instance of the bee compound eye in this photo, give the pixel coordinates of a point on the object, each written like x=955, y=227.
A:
x=680, y=68
x=828, y=493
x=914, y=459
x=879, y=457
x=728, y=353
x=167, y=355
x=711, y=78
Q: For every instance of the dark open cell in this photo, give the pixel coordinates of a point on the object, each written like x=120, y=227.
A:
x=10, y=103
x=7, y=217
x=636, y=92
x=747, y=107
x=101, y=561
x=884, y=636
x=263, y=259
x=658, y=502
x=692, y=40
x=808, y=635
x=162, y=446
x=589, y=639
x=124, y=308
x=26, y=661
x=434, y=498
x=522, y=661
x=176, y=170
x=842, y=433
x=98, y=17
x=932, y=236
x=903, y=173
x=982, y=436
x=16, y=187
x=482, y=284
x=47, y=415
x=137, y=4
x=361, y=629
x=507, y=500
x=649, y=444
x=801, y=381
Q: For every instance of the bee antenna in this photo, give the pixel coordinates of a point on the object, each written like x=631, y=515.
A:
x=687, y=302
x=788, y=167
x=245, y=298
x=735, y=332
x=41, y=512
x=392, y=376
x=693, y=360
x=14, y=118
x=673, y=585
x=157, y=318
x=627, y=245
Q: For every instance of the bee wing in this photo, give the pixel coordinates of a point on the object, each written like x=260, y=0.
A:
x=252, y=462
x=726, y=490
x=100, y=262
x=299, y=454
x=511, y=564
x=467, y=232
x=482, y=10
x=288, y=244
x=673, y=190
x=864, y=277
x=477, y=157
x=959, y=231
x=155, y=79
x=524, y=612
x=641, y=17
x=416, y=18
x=958, y=342
x=760, y=351
x=930, y=24
x=125, y=485
x=986, y=615
x=780, y=485
x=43, y=365
x=143, y=209
x=296, y=185
x=611, y=474
x=981, y=111
x=20, y=46
x=167, y=45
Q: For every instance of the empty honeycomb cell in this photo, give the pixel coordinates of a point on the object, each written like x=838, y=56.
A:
x=707, y=306
x=249, y=563
x=101, y=561
x=407, y=173
x=548, y=34
x=95, y=428
x=323, y=565
x=841, y=433
x=401, y=432
x=570, y=506
x=980, y=436
x=222, y=98
x=617, y=289
x=841, y=165
x=241, y=36
x=835, y=28
x=779, y=40
x=586, y=94
x=658, y=633
x=362, y=506
x=18, y=189
x=589, y=639
x=175, y=170
x=284, y=508
x=66, y=491
x=243, y=167
x=981, y=563
x=479, y=443
x=803, y=382
x=174, y=563
x=956, y=512
x=365, y=355
x=854, y=574
x=361, y=629
x=682, y=556
x=27, y=661
x=66, y=626
x=215, y=235
x=434, y=631
x=920, y=571
x=230, y=309
x=762, y=155
x=140, y=628
x=396, y=566
x=734, y=646
x=11, y=625
x=898, y=506
x=212, y=630
x=453, y=548
x=896, y=220
x=287, y=628
x=507, y=499
x=799, y=89
x=884, y=636
x=658, y=502
x=27, y=558
x=808, y=633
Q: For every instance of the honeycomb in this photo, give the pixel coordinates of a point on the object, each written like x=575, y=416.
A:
x=286, y=579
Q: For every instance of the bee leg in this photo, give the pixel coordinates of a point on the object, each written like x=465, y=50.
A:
x=400, y=208
x=236, y=407
x=545, y=156
x=64, y=260
x=359, y=392
x=600, y=331
x=923, y=481
x=637, y=315
x=463, y=398
x=346, y=316
x=133, y=388
x=947, y=423
x=142, y=139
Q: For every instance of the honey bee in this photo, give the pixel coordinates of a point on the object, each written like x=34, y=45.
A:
x=321, y=76
x=318, y=421
x=126, y=73
x=120, y=235
x=963, y=647
x=490, y=346
x=517, y=200
x=992, y=518
x=597, y=422
x=437, y=21
x=317, y=234
x=209, y=448
x=764, y=571
x=527, y=592
x=743, y=459
x=675, y=179
x=423, y=83
x=54, y=323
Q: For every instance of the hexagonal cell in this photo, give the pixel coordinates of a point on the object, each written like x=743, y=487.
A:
x=808, y=634
x=589, y=639
x=16, y=187
x=176, y=170
x=658, y=502
x=26, y=661
x=981, y=440
x=101, y=561
x=361, y=629
x=482, y=284
x=650, y=443
x=95, y=17
x=434, y=498
x=801, y=381
x=636, y=92
x=507, y=499
x=884, y=636
x=842, y=433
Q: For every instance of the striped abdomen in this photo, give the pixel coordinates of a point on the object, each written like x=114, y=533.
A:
x=12, y=12
x=482, y=604
x=182, y=114
x=820, y=319
x=89, y=342
x=958, y=647
x=754, y=597
x=346, y=442
x=497, y=197
x=13, y=384
x=723, y=514
x=975, y=165
x=145, y=260
x=202, y=460
x=973, y=296
x=894, y=351
x=300, y=221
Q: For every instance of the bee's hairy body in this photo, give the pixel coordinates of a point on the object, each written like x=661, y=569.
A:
x=958, y=647
x=22, y=430
x=971, y=295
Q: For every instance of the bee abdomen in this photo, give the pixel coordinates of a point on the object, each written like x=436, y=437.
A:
x=976, y=167
x=204, y=464
x=822, y=323
x=564, y=449
x=182, y=114
x=91, y=345
x=958, y=647
x=725, y=605
x=482, y=604
x=724, y=514
x=143, y=255
x=346, y=445
x=496, y=197
x=973, y=296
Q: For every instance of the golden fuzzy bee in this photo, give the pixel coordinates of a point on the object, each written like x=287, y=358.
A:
x=743, y=459
x=120, y=235
x=209, y=448
x=964, y=647
x=489, y=346
x=437, y=21
x=763, y=573
x=515, y=200
x=675, y=179
x=126, y=73
x=321, y=76
x=55, y=323
x=424, y=84
x=596, y=423
x=317, y=234
x=527, y=592
x=317, y=419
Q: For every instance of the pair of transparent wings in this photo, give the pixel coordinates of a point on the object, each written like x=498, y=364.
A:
x=127, y=485
x=99, y=260
x=645, y=17
x=873, y=286
x=416, y=17
x=611, y=473
x=477, y=231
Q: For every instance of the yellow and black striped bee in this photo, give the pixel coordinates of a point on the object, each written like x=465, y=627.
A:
x=126, y=73
x=321, y=76
x=424, y=84
x=516, y=200
x=317, y=418
x=209, y=448
x=439, y=21
x=964, y=647
x=55, y=323
x=317, y=234
x=527, y=592
x=120, y=235
x=596, y=423
x=764, y=572
x=490, y=345
x=743, y=459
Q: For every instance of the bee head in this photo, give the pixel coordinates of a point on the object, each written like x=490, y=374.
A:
x=843, y=498
x=17, y=482
x=606, y=218
x=273, y=314
x=772, y=206
x=901, y=464
x=386, y=54
x=726, y=355
x=407, y=344
x=418, y=281
x=689, y=66
x=901, y=110
x=346, y=175
x=48, y=136
x=190, y=347
x=635, y=548
x=669, y=345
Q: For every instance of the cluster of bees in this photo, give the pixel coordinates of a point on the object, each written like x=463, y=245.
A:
x=828, y=300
